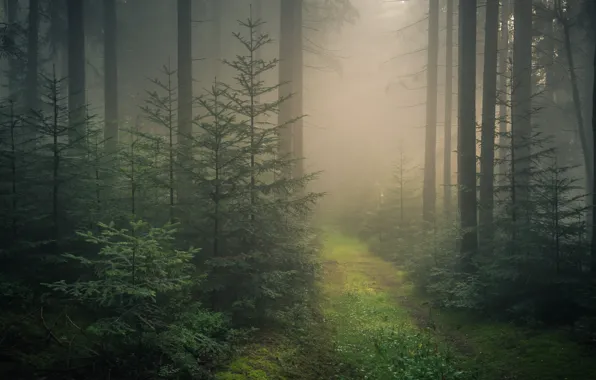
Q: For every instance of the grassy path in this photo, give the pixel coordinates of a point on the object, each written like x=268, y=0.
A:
x=373, y=334
x=377, y=292
x=361, y=334
x=373, y=327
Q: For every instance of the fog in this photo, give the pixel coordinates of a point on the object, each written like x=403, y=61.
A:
x=364, y=87
x=359, y=120
x=159, y=219
x=364, y=80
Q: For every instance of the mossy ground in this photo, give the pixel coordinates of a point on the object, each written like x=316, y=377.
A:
x=373, y=335
x=374, y=326
x=496, y=350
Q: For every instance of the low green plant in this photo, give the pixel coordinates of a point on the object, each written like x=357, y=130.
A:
x=378, y=340
x=139, y=288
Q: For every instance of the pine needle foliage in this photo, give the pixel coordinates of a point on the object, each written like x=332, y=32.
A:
x=141, y=289
x=258, y=244
x=96, y=279
x=161, y=108
x=534, y=267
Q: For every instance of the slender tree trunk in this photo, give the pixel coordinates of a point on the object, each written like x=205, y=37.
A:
x=13, y=63
x=503, y=92
x=430, y=147
x=448, y=110
x=489, y=99
x=13, y=173
x=217, y=156
x=171, y=145
x=76, y=73
x=550, y=54
x=285, y=78
x=254, y=109
x=60, y=42
x=216, y=38
x=467, y=131
x=31, y=90
x=184, y=96
x=257, y=16
x=577, y=106
x=547, y=61
x=593, y=263
x=55, y=157
x=110, y=77
x=298, y=87
x=32, y=55
x=521, y=98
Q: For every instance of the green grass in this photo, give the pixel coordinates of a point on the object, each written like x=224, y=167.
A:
x=502, y=349
x=374, y=338
x=487, y=350
x=370, y=332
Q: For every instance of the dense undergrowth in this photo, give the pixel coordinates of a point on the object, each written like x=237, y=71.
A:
x=476, y=346
x=494, y=350
x=531, y=265
x=376, y=325
x=160, y=259
x=360, y=333
x=520, y=305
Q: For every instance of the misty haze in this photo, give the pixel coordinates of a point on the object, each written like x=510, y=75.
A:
x=297, y=189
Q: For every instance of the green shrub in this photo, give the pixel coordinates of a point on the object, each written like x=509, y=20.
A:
x=146, y=320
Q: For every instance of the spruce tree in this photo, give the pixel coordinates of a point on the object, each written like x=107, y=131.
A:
x=161, y=108
x=254, y=215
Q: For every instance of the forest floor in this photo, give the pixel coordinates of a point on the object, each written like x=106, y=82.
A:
x=374, y=326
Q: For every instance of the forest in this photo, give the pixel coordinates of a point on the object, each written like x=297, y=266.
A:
x=297, y=189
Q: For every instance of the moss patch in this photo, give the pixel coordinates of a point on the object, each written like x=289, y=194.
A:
x=257, y=363
x=374, y=337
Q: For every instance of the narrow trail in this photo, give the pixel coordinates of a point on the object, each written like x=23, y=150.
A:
x=366, y=295
x=363, y=332
x=373, y=326
x=377, y=327
x=350, y=258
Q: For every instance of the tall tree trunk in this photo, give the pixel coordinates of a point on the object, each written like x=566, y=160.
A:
x=577, y=106
x=298, y=88
x=448, y=109
x=547, y=56
x=466, y=162
x=32, y=55
x=521, y=99
x=489, y=99
x=76, y=73
x=13, y=63
x=503, y=77
x=110, y=77
x=257, y=16
x=31, y=90
x=593, y=256
x=430, y=147
x=286, y=51
x=550, y=54
x=60, y=43
x=184, y=96
x=216, y=38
